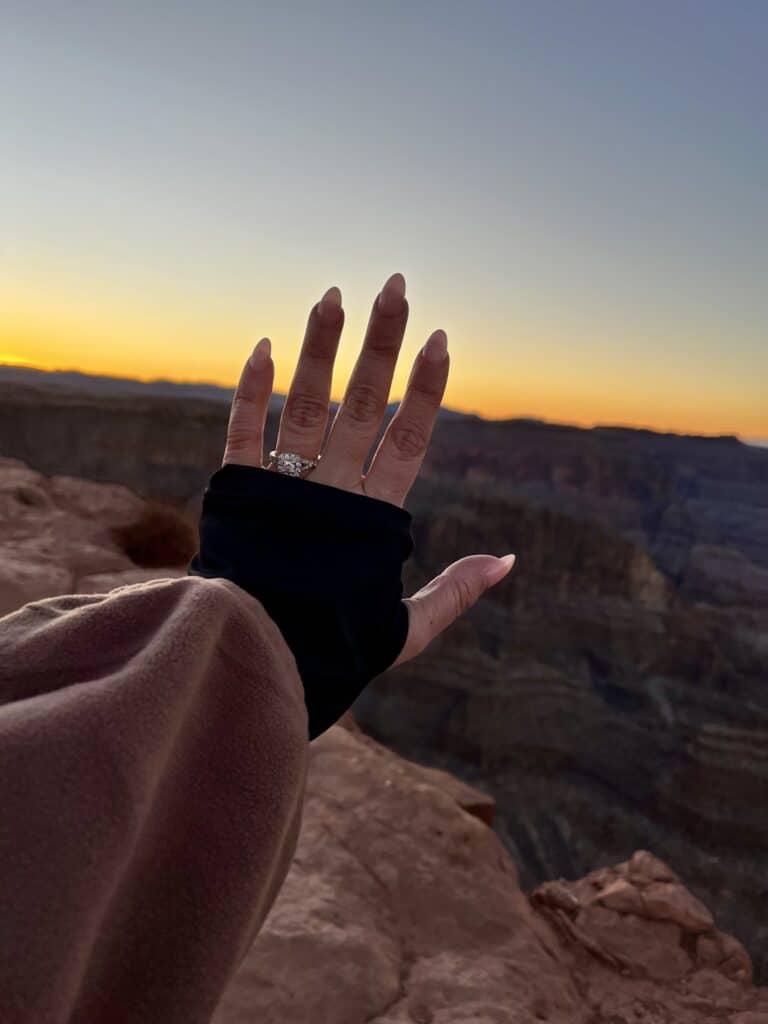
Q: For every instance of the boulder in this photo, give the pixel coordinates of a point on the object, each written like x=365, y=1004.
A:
x=62, y=535
x=401, y=907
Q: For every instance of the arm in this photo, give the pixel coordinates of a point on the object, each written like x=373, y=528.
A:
x=153, y=751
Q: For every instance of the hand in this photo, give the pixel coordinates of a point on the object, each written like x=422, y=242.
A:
x=399, y=456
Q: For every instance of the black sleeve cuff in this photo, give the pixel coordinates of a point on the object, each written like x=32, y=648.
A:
x=325, y=563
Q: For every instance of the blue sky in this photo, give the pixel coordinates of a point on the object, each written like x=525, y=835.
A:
x=576, y=192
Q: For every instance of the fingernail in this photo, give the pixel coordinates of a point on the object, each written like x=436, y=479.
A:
x=500, y=569
x=390, y=301
x=260, y=355
x=330, y=302
x=436, y=347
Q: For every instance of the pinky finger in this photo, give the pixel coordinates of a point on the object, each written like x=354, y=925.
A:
x=245, y=432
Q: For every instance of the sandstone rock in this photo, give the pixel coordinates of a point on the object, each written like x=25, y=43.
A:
x=622, y=895
x=644, y=867
x=600, y=722
x=110, y=504
x=401, y=907
x=668, y=901
x=611, y=693
x=24, y=579
x=22, y=493
x=480, y=805
x=56, y=536
x=67, y=542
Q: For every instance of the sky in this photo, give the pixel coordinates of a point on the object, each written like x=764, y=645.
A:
x=577, y=192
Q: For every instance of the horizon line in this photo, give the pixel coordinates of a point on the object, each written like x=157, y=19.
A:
x=759, y=442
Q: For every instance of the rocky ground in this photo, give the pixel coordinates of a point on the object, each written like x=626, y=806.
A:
x=403, y=907
x=61, y=535
x=402, y=904
x=611, y=695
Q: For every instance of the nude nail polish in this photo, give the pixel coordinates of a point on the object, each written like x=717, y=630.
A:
x=436, y=347
x=260, y=355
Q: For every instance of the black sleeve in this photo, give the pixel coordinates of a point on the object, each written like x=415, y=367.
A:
x=325, y=563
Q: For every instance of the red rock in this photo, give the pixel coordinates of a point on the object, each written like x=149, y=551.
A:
x=57, y=536
x=669, y=901
x=400, y=907
x=480, y=805
x=28, y=579
x=110, y=504
x=644, y=867
x=622, y=895
x=735, y=963
x=709, y=951
x=22, y=495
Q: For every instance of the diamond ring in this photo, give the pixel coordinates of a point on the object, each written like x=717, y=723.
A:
x=292, y=464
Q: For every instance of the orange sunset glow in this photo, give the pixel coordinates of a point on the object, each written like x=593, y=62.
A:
x=589, y=232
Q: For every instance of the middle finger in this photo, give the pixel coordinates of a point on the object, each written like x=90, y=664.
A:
x=362, y=409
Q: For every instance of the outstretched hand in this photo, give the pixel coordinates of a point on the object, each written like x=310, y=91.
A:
x=399, y=455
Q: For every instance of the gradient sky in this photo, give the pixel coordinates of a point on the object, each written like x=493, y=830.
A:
x=577, y=192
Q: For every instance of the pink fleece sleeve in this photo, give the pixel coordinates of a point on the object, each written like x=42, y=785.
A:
x=153, y=757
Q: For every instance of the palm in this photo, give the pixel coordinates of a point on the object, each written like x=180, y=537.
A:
x=400, y=453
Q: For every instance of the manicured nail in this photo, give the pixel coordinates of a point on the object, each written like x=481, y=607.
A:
x=330, y=302
x=390, y=301
x=500, y=569
x=436, y=347
x=260, y=355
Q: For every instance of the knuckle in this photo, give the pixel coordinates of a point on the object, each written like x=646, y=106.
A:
x=383, y=343
x=409, y=440
x=244, y=403
x=362, y=405
x=429, y=390
x=240, y=439
x=243, y=421
x=463, y=596
x=305, y=411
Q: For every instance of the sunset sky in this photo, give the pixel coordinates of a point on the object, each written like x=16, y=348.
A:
x=577, y=192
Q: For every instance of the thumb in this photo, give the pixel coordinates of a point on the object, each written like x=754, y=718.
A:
x=433, y=608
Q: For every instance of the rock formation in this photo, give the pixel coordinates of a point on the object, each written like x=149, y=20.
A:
x=402, y=904
x=611, y=694
x=61, y=535
x=403, y=907
x=603, y=707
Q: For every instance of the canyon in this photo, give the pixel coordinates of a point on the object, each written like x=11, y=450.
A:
x=609, y=697
x=402, y=904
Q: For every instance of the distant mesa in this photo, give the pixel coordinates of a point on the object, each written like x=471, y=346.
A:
x=76, y=382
